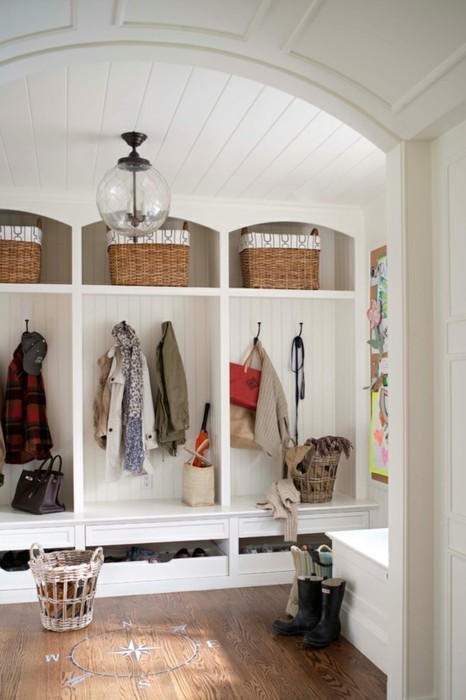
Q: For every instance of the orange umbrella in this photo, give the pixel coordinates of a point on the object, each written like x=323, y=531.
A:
x=202, y=440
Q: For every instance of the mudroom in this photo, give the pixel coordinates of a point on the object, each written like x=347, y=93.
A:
x=221, y=367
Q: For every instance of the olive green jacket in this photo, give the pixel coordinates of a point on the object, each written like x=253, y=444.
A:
x=171, y=406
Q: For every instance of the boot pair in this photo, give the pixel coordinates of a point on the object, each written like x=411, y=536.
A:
x=318, y=618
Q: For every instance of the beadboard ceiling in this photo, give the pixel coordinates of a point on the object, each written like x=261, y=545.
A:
x=283, y=100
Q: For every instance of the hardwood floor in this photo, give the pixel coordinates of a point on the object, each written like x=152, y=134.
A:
x=203, y=645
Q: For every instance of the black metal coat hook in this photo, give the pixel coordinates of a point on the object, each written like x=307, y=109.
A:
x=258, y=332
x=297, y=366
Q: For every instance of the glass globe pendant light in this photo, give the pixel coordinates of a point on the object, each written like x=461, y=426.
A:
x=133, y=198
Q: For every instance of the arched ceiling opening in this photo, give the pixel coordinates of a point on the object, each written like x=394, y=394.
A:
x=254, y=99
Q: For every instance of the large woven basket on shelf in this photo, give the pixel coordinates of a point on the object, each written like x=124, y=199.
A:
x=20, y=253
x=66, y=583
x=273, y=267
x=149, y=263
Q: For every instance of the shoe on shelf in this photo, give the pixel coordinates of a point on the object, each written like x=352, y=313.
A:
x=199, y=552
x=182, y=554
x=140, y=554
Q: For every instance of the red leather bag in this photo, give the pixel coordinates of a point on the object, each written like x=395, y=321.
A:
x=245, y=382
x=244, y=386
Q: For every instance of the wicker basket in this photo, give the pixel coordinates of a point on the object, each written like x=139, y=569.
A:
x=280, y=261
x=66, y=583
x=20, y=253
x=316, y=485
x=146, y=262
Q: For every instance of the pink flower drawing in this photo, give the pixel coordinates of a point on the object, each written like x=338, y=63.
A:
x=374, y=314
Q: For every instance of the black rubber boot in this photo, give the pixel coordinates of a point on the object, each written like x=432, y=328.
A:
x=309, y=607
x=329, y=626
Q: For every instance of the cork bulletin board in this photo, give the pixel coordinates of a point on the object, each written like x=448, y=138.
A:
x=378, y=318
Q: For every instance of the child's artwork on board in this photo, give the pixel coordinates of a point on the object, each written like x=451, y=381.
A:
x=378, y=452
x=377, y=315
x=378, y=310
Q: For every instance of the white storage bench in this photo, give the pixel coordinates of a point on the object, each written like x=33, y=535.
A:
x=361, y=558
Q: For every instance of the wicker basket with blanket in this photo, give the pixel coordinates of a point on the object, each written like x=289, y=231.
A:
x=313, y=466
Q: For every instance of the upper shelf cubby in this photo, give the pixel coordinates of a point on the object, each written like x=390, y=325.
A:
x=336, y=264
x=55, y=258
x=203, y=254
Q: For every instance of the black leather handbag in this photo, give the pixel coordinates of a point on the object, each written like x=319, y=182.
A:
x=38, y=491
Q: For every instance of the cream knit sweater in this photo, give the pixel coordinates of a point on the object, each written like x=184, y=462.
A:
x=272, y=425
x=283, y=498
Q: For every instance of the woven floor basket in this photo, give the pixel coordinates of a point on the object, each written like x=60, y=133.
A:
x=66, y=583
x=316, y=485
x=20, y=262
x=281, y=268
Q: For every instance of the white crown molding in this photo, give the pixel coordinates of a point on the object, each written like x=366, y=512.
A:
x=259, y=14
x=342, y=77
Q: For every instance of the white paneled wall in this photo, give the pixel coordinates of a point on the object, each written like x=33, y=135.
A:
x=378, y=492
x=457, y=642
x=329, y=381
x=450, y=466
x=328, y=408
x=457, y=387
x=455, y=392
x=49, y=315
x=191, y=319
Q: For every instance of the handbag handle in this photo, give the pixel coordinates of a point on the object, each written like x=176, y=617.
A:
x=50, y=467
x=255, y=348
x=42, y=476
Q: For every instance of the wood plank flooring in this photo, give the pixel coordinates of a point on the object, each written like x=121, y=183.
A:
x=203, y=645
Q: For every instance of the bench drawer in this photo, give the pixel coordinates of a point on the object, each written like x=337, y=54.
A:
x=175, y=531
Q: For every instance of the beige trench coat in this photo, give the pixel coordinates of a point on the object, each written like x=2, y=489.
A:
x=108, y=406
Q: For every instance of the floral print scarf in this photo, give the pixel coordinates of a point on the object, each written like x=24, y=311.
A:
x=131, y=354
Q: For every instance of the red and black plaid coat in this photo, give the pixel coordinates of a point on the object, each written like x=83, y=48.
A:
x=26, y=431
